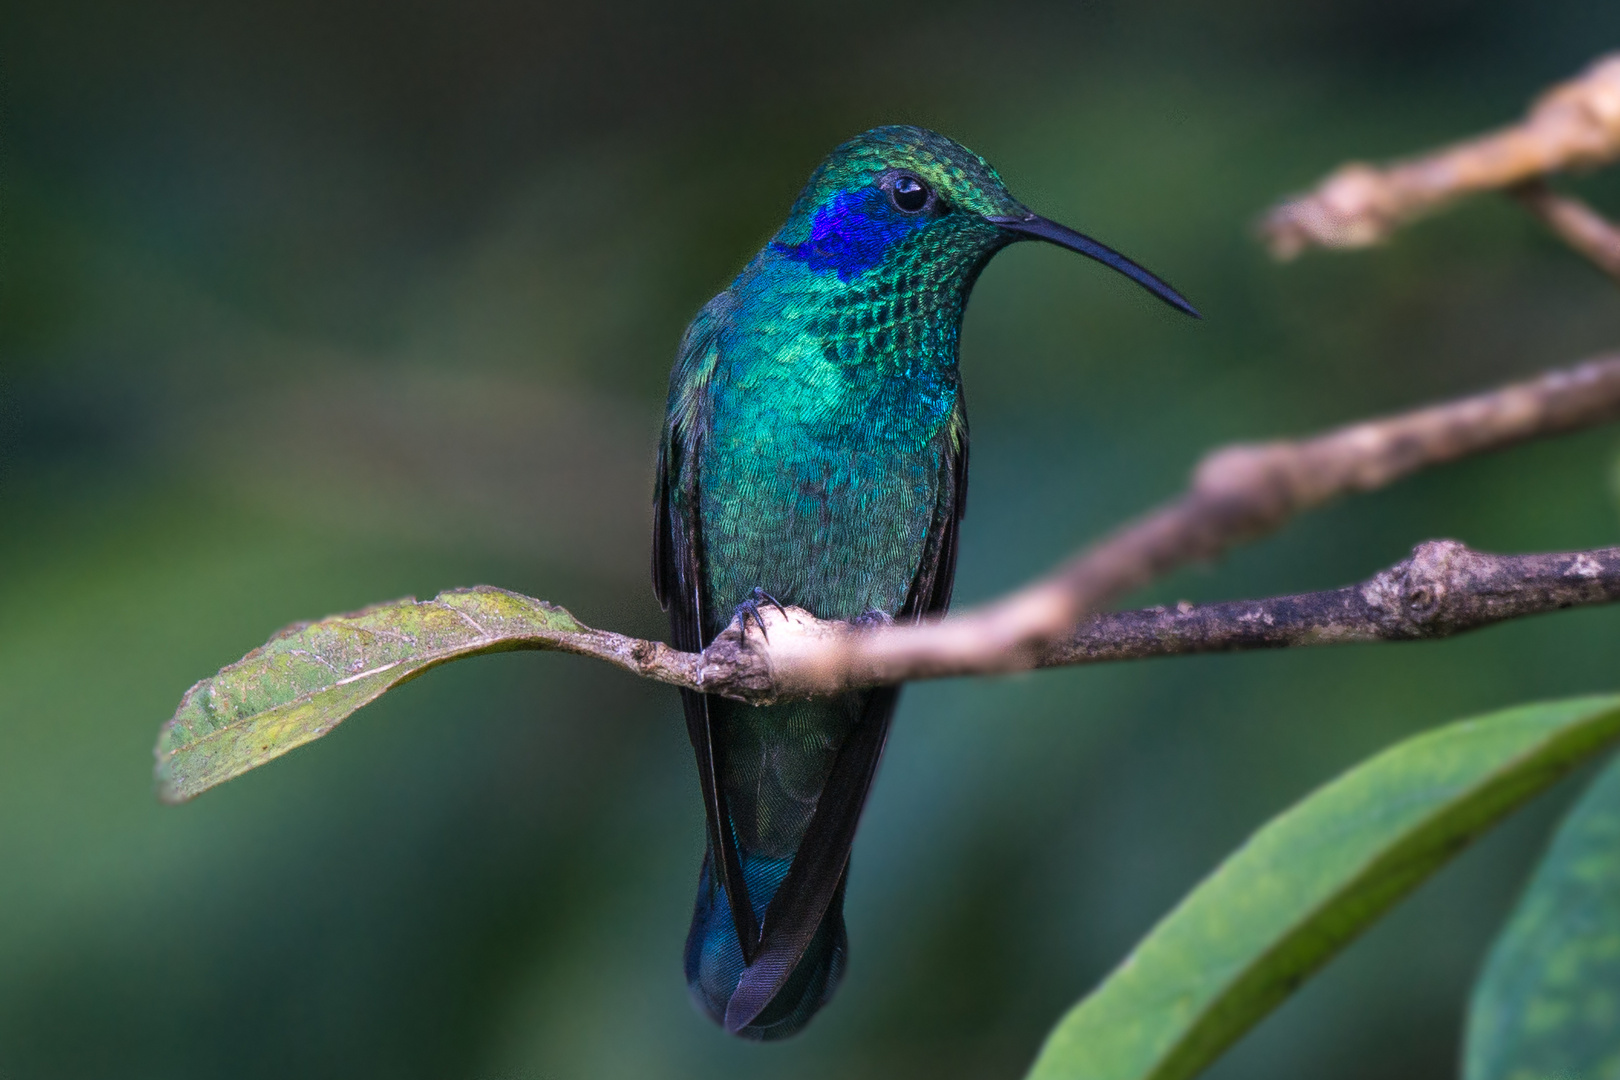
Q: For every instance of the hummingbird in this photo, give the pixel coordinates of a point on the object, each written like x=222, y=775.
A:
x=815, y=452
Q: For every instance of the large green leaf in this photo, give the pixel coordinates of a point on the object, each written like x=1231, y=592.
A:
x=1309, y=881
x=310, y=676
x=1548, y=1003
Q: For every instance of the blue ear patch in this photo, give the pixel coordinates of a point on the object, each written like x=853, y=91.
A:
x=851, y=235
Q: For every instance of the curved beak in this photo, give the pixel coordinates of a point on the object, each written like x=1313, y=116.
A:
x=1036, y=227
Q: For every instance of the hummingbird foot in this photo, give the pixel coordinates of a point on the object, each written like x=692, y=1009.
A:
x=749, y=609
x=871, y=619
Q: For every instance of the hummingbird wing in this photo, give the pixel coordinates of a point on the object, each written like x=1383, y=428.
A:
x=676, y=547
x=936, y=574
x=816, y=876
x=677, y=575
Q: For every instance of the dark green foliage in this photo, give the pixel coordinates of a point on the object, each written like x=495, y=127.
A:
x=1302, y=887
x=1548, y=1002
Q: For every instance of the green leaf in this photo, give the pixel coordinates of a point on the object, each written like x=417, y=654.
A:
x=1309, y=881
x=1548, y=1002
x=310, y=676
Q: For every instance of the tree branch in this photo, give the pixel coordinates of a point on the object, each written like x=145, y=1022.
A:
x=1576, y=223
x=1444, y=588
x=1574, y=125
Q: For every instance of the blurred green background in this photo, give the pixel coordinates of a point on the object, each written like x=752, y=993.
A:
x=308, y=305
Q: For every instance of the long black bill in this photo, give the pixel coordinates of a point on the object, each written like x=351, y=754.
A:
x=1041, y=229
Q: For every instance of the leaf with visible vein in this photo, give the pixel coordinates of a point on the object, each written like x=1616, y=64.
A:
x=1548, y=1002
x=310, y=676
x=1280, y=906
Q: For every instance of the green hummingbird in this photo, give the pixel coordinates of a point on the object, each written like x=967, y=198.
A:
x=815, y=452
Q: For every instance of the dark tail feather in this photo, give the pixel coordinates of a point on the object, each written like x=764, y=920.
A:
x=802, y=943
x=722, y=842
x=714, y=965
x=796, y=914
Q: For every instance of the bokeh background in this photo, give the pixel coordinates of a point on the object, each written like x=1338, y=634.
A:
x=308, y=305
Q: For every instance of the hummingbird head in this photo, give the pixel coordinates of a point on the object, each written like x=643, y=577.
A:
x=900, y=196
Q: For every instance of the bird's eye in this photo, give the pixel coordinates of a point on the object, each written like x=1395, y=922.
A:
x=909, y=194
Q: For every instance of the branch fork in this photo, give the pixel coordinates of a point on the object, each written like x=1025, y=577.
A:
x=1573, y=126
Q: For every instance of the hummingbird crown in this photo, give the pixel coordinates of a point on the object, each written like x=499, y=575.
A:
x=956, y=176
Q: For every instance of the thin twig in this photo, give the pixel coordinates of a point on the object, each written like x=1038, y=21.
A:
x=1444, y=588
x=1574, y=125
x=1576, y=223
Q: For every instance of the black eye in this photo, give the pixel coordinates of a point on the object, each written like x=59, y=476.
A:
x=909, y=194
